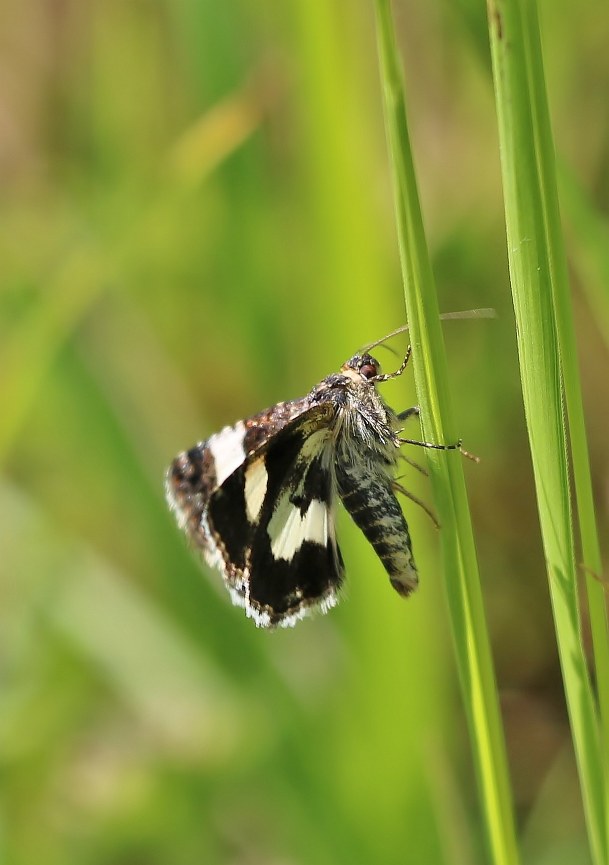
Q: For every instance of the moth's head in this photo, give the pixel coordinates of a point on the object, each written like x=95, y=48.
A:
x=361, y=366
x=356, y=379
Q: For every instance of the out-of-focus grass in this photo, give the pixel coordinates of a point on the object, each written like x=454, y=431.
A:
x=462, y=579
x=196, y=222
x=551, y=384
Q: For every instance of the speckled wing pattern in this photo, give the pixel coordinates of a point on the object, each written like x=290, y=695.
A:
x=258, y=498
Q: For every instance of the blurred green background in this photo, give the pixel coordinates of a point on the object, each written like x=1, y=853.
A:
x=196, y=223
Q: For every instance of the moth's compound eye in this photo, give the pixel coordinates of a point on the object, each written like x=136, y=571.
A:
x=369, y=367
x=368, y=370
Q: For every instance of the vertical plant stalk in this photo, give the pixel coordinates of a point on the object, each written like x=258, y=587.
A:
x=466, y=610
x=541, y=301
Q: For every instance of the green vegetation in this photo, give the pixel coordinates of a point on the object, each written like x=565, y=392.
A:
x=198, y=221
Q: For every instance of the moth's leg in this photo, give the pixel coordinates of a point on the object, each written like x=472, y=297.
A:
x=415, y=411
x=452, y=447
x=414, y=464
x=400, y=489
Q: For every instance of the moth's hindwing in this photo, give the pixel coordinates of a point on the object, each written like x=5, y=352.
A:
x=269, y=523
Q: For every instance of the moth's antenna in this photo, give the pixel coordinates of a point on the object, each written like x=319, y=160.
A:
x=389, y=348
x=485, y=312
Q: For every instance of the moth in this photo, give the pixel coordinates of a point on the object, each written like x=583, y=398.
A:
x=259, y=498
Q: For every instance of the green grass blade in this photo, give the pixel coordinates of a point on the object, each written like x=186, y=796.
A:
x=591, y=239
x=460, y=565
x=543, y=316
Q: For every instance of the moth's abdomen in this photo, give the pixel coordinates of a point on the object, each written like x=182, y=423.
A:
x=374, y=508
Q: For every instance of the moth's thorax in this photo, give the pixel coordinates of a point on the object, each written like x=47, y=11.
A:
x=365, y=424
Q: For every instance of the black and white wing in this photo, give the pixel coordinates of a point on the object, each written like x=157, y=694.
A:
x=258, y=498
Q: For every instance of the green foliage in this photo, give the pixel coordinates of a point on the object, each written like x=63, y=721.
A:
x=546, y=345
x=460, y=566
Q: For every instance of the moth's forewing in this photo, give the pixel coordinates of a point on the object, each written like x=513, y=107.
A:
x=269, y=524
